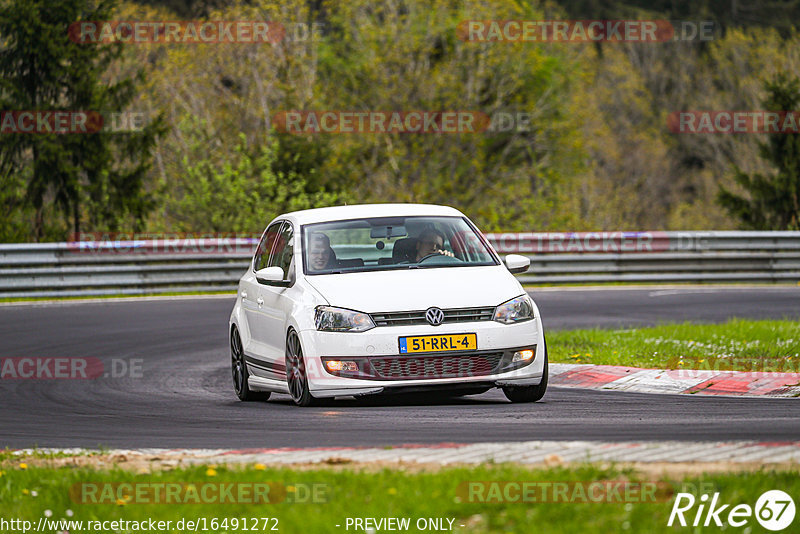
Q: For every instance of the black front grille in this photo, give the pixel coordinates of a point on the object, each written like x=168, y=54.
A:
x=451, y=315
x=426, y=367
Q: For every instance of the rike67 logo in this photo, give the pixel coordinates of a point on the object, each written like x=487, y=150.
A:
x=774, y=510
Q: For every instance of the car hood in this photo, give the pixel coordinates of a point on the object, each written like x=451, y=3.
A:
x=418, y=289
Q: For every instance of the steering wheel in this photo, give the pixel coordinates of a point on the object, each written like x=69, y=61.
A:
x=435, y=254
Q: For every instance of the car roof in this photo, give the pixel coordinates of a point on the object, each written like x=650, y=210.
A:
x=359, y=211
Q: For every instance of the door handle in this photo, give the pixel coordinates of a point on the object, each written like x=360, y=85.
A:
x=260, y=302
x=244, y=294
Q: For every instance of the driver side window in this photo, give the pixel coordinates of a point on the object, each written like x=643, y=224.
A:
x=283, y=251
x=267, y=246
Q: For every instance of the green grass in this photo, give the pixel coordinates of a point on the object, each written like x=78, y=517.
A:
x=7, y=455
x=739, y=345
x=27, y=493
x=36, y=453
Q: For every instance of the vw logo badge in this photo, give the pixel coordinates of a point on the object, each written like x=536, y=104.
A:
x=435, y=316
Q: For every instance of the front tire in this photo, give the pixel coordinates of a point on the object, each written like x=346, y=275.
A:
x=296, y=372
x=529, y=393
x=240, y=372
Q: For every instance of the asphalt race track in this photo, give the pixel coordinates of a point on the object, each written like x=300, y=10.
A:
x=185, y=399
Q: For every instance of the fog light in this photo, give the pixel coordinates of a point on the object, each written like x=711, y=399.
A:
x=339, y=365
x=522, y=355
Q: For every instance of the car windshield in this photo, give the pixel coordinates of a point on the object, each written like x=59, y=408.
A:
x=387, y=243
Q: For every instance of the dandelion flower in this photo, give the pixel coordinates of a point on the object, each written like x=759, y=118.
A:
x=23, y=466
x=259, y=467
x=211, y=472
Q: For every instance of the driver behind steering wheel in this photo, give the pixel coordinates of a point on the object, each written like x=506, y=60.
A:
x=429, y=242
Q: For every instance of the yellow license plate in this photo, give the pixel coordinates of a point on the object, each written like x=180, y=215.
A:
x=442, y=343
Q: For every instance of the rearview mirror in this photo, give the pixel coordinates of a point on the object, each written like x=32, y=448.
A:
x=517, y=264
x=387, y=232
x=272, y=276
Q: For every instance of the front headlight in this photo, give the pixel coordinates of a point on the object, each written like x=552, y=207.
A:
x=330, y=319
x=515, y=310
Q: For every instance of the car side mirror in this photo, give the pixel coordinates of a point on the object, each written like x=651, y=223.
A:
x=271, y=276
x=517, y=264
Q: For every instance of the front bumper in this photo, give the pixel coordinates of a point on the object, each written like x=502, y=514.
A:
x=382, y=368
x=434, y=365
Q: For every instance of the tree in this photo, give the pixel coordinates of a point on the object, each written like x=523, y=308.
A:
x=403, y=56
x=773, y=202
x=41, y=69
x=241, y=192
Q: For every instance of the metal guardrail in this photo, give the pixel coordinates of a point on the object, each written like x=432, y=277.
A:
x=153, y=266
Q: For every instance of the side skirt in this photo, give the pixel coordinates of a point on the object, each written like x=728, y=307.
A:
x=258, y=383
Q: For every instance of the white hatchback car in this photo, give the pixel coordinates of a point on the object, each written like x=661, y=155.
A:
x=383, y=298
